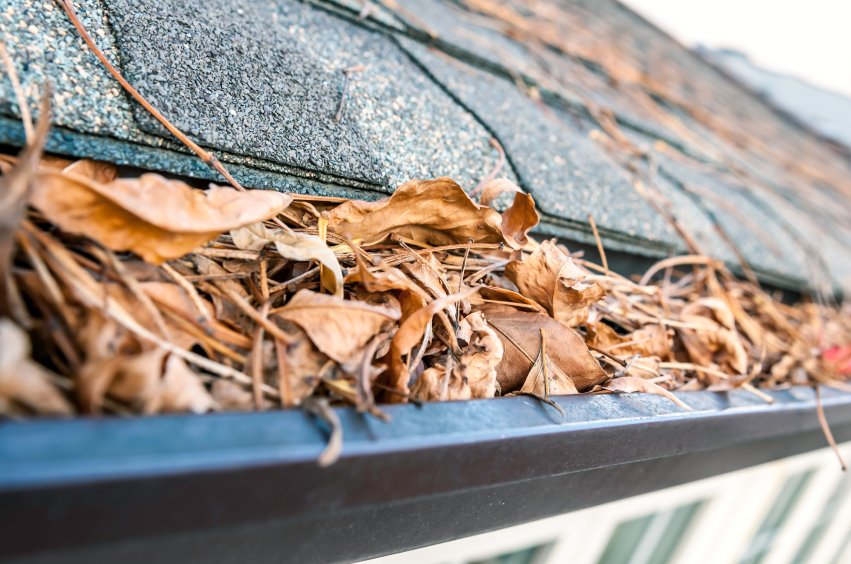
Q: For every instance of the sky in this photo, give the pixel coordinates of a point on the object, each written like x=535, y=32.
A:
x=810, y=39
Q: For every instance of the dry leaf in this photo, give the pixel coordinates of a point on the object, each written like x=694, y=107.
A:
x=231, y=397
x=304, y=362
x=519, y=218
x=22, y=380
x=504, y=295
x=434, y=212
x=477, y=366
x=429, y=384
x=521, y=332
x=560, y=383
x=718, y=335
x=650, y=340
x=157, y=218
x=293, y=246
x=628, y=384
x=550, y=278
x=99, y=171
x=339, y=328
x=410, y=334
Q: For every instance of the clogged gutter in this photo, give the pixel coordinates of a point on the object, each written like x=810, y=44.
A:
x=144, y=295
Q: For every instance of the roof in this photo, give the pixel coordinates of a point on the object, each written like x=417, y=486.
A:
x=588, y=101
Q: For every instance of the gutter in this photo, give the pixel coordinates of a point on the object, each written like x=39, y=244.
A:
x=239, y=487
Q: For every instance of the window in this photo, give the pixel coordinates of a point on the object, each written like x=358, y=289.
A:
x=760, y=545
x=532, y=555
x=653, y=539
x=830, y=508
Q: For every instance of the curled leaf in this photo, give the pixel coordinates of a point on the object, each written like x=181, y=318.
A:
x=519, y=218
x=157, y=218
x=435, y=212
x=520, y=333
x=339, y=328
x=559, y=383
x=410, y=333
x=22, y=380
x=293, y=246
x=99, y=171
x=629, y=384
x=550, y=278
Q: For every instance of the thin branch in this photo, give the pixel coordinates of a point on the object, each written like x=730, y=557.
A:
x=824, y=427
x=599, y=244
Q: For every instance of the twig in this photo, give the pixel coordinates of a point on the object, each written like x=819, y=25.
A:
x=604, y=353
x=486, y=270
x=319, y=407
x=626, y=368
x=209, y=159
x=191, y=292
x=762, y=395
x=444, y=386
x=19, y=93
x=264, y=278
x=486, y=180
x=412, y=399
x=826, y=429
x=461, y=281
x=365, y=399
x=283, y=285
x=346, y=72
x=134, y=286
x=243, y=305
x=544, y=356
x=544, y=399
x=599, y=244
x=284, y=375
x=257, y=359
x=364, y=12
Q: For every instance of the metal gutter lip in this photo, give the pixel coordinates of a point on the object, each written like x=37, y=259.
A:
x=89, y=484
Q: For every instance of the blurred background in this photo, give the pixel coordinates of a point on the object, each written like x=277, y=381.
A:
x=795, y=54
x=797, y=57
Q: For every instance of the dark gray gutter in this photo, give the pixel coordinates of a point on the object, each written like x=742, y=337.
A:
x=246, y=488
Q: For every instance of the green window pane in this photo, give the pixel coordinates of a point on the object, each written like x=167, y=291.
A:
x=625, y=540
x=531, y=555
x=653, y=539
x=675, y=533
x=820, y=527
x=780, y=510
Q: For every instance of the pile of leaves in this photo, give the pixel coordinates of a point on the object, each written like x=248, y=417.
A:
x=145, y=295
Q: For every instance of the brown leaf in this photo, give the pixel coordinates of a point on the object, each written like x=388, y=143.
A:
x=410, y=333
x=503, y=295
x=550, y=278
x=99, y=171
x=22, y=380
x=435, y=212
x=224, y=309
x=231, y=397
x=157, y=218
x=628, y=384
x=293, y=246
x=560, y=383
x=718, y=335
x=477, y=367
x=519, y=218
x=15, y=187
x=303, y=361
x=521, y=331
x=650, y=340
x=339, y=328
x=429, y=384
x=151, y=382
